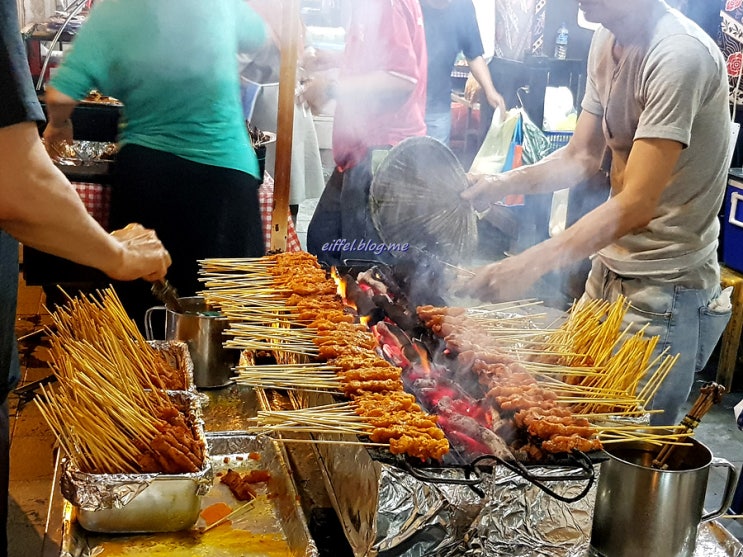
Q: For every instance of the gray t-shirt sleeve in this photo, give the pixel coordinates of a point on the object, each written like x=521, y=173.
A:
x=591, y=100
x=677, y=78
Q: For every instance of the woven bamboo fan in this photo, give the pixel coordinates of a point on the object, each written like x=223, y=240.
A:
x=414, y=198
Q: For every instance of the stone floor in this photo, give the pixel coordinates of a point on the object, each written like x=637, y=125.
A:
x=32, y=454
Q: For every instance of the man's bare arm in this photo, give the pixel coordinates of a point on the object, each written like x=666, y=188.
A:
x=39, y=207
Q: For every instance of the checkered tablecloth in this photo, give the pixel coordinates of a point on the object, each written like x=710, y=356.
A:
x=265, y=196
x=97, y=200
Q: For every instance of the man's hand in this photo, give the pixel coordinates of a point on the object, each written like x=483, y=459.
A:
x=316, y=93
x=506, y=280
x=144, y=255
x=56, y=138
x=485, y=190
x=472, y=89
x=498, y=103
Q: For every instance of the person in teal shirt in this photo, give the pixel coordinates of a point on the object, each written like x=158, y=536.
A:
x=185, y=166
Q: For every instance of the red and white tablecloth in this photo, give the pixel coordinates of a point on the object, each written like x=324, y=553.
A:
x=265, y=196
x=97, y=200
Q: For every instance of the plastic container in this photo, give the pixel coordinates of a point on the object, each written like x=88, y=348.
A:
x=558, y=139
x=561, y=42
x=732, y=227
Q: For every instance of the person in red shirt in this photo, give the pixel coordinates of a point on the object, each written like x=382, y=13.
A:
x=380, y=95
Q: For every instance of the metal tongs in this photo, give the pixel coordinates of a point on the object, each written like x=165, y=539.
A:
x=709, y=395
x=167, y=294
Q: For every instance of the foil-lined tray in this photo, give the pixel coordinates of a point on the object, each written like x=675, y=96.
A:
x=177, y=355
x=84, y=153
x=388, y=511
x=116, y=503
x=273, y=526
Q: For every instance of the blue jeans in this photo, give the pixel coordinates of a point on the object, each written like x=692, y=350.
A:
x=680, y=316
x=438, y=126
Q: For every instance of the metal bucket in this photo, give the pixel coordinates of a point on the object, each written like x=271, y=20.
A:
x=203, y=333
x=642, y=510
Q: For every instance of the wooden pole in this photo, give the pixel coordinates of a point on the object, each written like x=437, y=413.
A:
x=287, y=87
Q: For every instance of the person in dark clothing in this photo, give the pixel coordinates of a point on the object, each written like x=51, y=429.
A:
x=39, y=207
x=451, y=27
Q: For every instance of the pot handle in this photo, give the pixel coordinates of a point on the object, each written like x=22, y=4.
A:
x=727, y=497
x=148, y=322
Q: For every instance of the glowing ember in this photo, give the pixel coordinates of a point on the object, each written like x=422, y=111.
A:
x=390, y=345
x=339, y=282
x=423, y=355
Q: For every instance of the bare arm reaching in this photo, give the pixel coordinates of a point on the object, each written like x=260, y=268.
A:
x=647, y=174
x=481, y=73
x=39, y=208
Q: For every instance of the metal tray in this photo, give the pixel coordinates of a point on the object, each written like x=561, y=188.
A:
x=125, y=503
x=177, y=355
x=274, y=526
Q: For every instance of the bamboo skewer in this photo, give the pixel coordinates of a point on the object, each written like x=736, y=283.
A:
x=239, y=511
x=102, y=362
x=600, y=361
x=710, y=394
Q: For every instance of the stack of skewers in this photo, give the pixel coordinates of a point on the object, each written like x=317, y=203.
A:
x=109, y=409
x=556, y=385
x=286, y=305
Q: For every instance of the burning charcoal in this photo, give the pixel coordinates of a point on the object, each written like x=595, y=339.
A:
x=451, y=420
x=357, y=297
x=396, y=337
x=405, y=319
x=373, y=281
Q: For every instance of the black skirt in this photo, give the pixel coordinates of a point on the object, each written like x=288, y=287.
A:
x=199, y=211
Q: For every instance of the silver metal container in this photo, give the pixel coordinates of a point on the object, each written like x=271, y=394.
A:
x=203, y=332
x=141, y=503
x=642, y=510
x=169, y=503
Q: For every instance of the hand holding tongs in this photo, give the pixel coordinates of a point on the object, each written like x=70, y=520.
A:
x=167, y=294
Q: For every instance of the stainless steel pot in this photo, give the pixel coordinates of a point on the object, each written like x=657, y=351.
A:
x=642, y=511
x=202, y=331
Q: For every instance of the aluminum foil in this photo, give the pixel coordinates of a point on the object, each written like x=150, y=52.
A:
x=518, y=518
x=94, y=492
x=421, y=518
x=386, y=510
x=83, y=153
x=177, y=355
x=714, y=541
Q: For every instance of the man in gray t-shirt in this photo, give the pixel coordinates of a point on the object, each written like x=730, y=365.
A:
x=656, y=99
